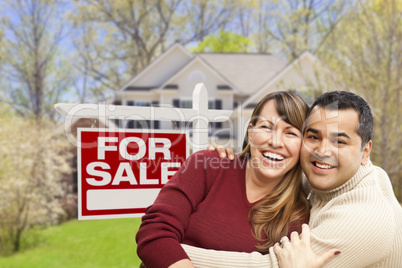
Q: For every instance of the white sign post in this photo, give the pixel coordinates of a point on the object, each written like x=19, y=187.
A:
x=200, y=115
x=117, y=182
x=200, y=125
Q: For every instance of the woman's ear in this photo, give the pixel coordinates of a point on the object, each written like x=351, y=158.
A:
x=366, y=153
x=249, y=132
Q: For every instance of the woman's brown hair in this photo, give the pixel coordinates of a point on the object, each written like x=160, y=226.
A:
x=272, y=217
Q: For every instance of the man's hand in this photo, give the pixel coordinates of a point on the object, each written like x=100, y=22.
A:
x=297, y=253
x=186, y=263
x=223, y=152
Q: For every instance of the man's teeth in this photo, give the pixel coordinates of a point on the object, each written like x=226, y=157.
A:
x=273, y=156
x=322, y=165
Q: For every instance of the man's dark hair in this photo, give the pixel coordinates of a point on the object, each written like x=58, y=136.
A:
x=343, y=100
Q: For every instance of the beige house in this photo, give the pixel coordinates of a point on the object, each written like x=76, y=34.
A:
x=235, y=81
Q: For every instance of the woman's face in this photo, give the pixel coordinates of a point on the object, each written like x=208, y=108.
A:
x=274, y=144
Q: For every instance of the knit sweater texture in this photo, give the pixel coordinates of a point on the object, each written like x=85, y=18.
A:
x=205, y=205
x=362, y=218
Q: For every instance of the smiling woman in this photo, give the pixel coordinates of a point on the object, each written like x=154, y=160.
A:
x=242, y=205
x=272, y=146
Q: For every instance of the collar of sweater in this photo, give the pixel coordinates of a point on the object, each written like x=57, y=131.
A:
x=362, y=172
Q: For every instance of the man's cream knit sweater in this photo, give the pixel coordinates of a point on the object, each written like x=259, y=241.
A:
x=362, y=218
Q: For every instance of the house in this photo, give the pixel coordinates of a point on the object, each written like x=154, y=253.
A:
x=235, y=81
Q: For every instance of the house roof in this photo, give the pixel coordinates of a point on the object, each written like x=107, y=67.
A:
x=247, y=72
x=159, y=59
x=198, y=60
x=255, y=98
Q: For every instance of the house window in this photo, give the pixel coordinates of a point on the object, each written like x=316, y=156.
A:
x=138, y=88
x=188, y=104
x=141, y=124
x=218, y=106
x=171, y=86
x=142, y=103
x=223, y=87
x=155, y=124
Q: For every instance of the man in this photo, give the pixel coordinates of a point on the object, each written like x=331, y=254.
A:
x=353, y=209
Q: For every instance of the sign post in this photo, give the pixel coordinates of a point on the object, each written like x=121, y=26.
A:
x=122, y=171
x=200, y=115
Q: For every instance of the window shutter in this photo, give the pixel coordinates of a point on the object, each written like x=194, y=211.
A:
x=155, y=122
x=218, y=106
x=176, y=103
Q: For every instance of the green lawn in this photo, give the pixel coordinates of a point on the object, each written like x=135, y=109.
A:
x=94, y=243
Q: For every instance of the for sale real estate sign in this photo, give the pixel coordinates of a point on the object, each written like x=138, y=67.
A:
x=120, y=173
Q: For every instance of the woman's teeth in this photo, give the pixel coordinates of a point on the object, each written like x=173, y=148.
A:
x=273, y=156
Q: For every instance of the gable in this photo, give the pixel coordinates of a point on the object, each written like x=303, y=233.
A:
x=301, y=73
x=164, y=67
x=247, y=72
x=298, y=75
x=197, y=71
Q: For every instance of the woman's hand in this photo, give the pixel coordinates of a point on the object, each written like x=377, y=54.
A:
x=297, y=253
x=223, y=151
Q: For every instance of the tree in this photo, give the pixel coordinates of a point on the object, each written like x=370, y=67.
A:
x=34, y=161
x=200, y=18
x=225, y=42
x=292, y=26
x=36, y=76
x=116, y=39
x=365, y=55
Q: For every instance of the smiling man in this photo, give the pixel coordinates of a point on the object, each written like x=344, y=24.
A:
x=353, y=208
x=335, y=143
x=353, y=205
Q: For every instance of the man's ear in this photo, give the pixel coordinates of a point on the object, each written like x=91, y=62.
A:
x=366, y=153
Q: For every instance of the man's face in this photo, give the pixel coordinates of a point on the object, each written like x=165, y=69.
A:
x=331, y=151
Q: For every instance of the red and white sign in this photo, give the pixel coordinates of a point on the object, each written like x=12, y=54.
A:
x=120, y=173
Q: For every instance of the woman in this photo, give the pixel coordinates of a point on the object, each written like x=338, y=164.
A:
x=240, y=205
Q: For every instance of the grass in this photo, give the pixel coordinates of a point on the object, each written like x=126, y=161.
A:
x=84, y=244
